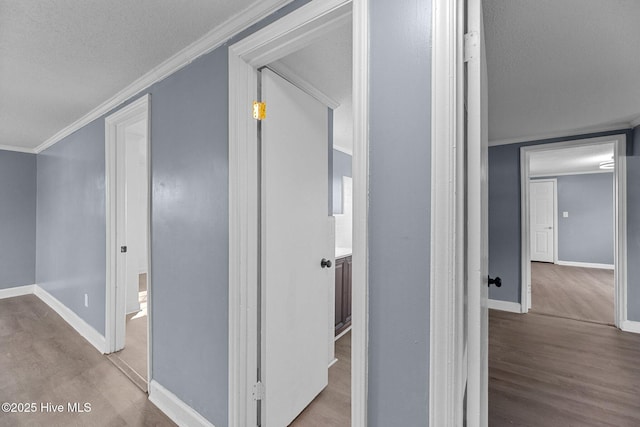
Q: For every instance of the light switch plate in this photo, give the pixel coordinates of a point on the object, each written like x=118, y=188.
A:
x=565, y=214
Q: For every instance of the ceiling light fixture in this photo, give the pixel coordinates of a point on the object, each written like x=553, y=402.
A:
x=607, y=164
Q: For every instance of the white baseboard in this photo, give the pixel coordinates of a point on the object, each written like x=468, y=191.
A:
x=585, y=264
x=17, y=291
x=512, y=307
x=83, y=328
x=631, y=326
x=181, y=413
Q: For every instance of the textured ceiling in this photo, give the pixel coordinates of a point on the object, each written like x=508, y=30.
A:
x=60, y=59
x=570, y=160
x=326, y=64
x=556, y=66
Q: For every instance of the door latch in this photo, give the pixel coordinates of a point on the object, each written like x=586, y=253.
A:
x=123, y=249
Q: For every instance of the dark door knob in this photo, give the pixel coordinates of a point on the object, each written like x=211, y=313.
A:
x=325, y=263
x=497, y=281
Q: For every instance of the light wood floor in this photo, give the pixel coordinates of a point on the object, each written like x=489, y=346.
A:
x=332, y=407
x=132, y=359
x=548, y=371
x=572, y=292
x=42, y=359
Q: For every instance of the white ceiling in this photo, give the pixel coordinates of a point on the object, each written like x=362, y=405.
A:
x=61, y=59
x=572, y=160
x=326, y=64
x=556, y=66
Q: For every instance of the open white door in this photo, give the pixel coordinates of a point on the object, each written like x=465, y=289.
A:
x=296, y=236
x=477, y=334
x=541, y=219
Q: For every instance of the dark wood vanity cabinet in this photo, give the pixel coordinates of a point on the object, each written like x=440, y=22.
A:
x=343, y=294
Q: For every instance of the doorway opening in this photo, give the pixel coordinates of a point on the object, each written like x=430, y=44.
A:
x=249, y=402
x=573, y=229
x=128, y=224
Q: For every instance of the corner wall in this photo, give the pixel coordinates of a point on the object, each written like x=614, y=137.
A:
x=17, y=219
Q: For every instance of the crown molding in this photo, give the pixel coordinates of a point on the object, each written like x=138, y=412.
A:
x=580, y=131
x=17, y=149
x=635, y=122
x=213, y=39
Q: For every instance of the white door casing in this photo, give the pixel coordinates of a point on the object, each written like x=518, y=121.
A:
x=477, y=332
x=115, y=189
x=542, y=196
x=620, y=199
x=295, y=238
x=290, y=32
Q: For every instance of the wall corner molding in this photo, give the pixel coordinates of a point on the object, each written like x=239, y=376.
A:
x=181, y=413
x=511, y=307
x=76, y=322
x=17, y=291
x=210, y=41
x=631, y=326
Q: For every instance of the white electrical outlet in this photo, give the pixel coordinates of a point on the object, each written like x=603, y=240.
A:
x=565, y=214
x=86, y=300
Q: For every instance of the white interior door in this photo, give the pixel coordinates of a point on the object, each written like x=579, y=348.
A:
x=477, y=334
x=541, y=219
x=296, y=236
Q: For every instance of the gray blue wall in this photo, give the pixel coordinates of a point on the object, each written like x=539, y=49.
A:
x=17, y=219
x=504, y=214
x=399, y=212
x=587, y=235
x=341, y=167
x=71, y=236
x=189, y=164
x=633, y=229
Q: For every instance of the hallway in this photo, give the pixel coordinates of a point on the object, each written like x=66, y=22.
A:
x=43, y=360
x=548, y=371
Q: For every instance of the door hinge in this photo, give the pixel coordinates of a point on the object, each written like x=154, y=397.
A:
x=259, y=110
x=258, y=391
x=471, y=46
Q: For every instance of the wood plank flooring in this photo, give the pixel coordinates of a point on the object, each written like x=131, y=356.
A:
x=332, y=407
x=572, y=292
x=42, y=359
x=548, y=371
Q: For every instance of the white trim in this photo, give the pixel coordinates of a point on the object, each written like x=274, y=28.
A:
x=341, y=334
x=343, y=150
x=76, y=322
x=622, y=126
x=288, y=74
x=291, y=32
x=631, y=326
x=511, y=307
x=620, y=201
x=360, y=256
x=115, y=328
x=17, y=291
x=539, y=176
x=635, y=122
x=333, y=362
x=586, y=265
x=213, y=39
x=179, y=412
x=447, y=366
x=17, y=149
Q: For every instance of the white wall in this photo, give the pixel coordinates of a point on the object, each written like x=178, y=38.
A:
x=136, y=228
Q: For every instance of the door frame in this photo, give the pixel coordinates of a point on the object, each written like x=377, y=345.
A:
x=448, y=358
x=278, y=39
x=554, y=181
x=555, y=213
x=115, y=311
x=620, y=214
